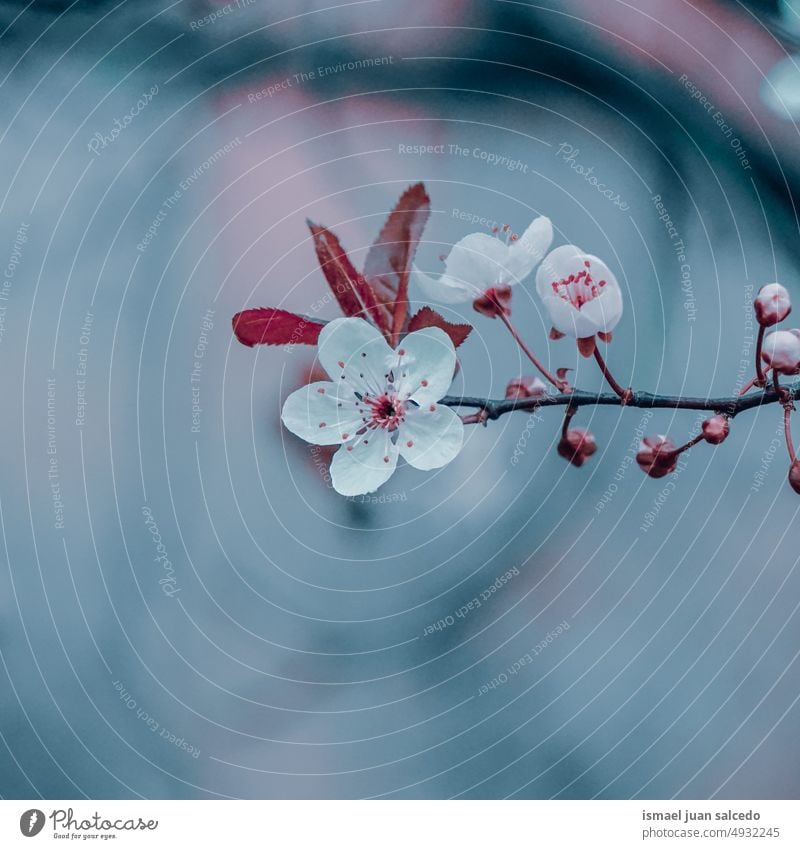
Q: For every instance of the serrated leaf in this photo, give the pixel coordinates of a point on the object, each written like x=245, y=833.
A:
x=427, y=317
x=268, y=326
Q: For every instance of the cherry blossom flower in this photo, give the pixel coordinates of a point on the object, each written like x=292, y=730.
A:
x=579, y=292
x=657, y=456
x=772, y=304
x=380, y=403
x=577, y=445
x=482, y=267
x=781, y=351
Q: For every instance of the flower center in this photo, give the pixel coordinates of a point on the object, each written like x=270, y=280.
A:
x=578, y=289
x=386, y=411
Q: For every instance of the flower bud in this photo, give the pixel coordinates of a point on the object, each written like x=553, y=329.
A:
x=781, y=351
x=526, y=387
x=494, y=302
x=657, y=456
x=794, y=476
x=716, y=429
x=577, y=446
x=772, y=304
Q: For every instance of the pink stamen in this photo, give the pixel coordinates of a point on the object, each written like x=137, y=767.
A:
x=579, y=288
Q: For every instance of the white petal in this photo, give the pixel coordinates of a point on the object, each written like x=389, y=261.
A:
x=478, y=260
x=443, y=289
x=426, y=366
x=369, y=464
x=429, y=438
x=567, y=319
x=322, y=417
x=529, y=249
x=605, y=310
x=559, y=263
x=354, y=348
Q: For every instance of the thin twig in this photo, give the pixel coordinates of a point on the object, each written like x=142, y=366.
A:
x=730, y=406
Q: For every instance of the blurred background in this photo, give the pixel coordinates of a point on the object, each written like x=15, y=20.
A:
x=187, y=609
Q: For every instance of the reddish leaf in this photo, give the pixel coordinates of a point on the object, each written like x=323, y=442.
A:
x=427, y=317
x=354, y=294
x=267, y=326
x=561, y=373
x=389, y=260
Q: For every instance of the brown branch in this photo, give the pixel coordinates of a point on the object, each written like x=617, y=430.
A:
x=494, y=408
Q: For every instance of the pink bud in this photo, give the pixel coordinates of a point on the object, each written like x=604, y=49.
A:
x=716, y=429
x=772, y=304
x=794, y=476
x=781, y=351
x=577, y=446
x=494, y=302
x=526, y=387
x=657, y=456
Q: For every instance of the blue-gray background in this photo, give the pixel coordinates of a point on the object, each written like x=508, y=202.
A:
x=291, y=658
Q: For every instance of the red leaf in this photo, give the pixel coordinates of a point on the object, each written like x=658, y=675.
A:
x=427, y=317
x=267, y=326
x=389, y=260
x=354, y=294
